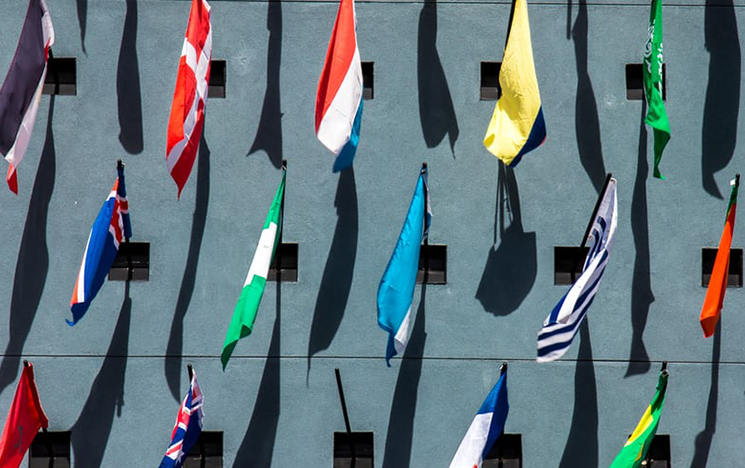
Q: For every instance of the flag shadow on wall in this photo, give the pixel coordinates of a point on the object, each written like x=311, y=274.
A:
x=336, y=281
x=82, y=21
x=269, y=133
x=436, y=111
x=722, y=105
x=174, y=349
x=403, y=409
x=511, y=266
x=128, y=97
x=702, y=444
x=33, y=260
x=90, y=433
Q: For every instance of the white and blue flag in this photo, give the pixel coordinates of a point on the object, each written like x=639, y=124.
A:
x=396, y=290
x=562, y=324
x=485, y=428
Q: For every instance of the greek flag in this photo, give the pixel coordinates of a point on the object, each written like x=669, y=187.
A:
x=562, y=324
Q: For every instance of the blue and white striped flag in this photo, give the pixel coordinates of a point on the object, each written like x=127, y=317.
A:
x=396, y=290
x=562, y=324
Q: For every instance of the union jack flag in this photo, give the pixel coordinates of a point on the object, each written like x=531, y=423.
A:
x=111, y=226
x=189, y=98
x=188, y=427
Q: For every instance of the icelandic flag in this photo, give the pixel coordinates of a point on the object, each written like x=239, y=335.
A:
x=396, y=290
x=187, y=428
x=339, y=96
x=110, y=227
x=485, y=428
x=21, y=90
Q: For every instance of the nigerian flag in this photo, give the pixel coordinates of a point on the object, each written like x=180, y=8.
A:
x=248, y=304
x=652, y=72
x=635, y=450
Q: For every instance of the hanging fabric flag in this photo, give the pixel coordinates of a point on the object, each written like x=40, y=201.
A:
x=485, y=428
x=517, y=126
x=24, y=420
x=562, y=324
x=111, y=226
x=635, y=450
x=189, y=98
x=652, y=72
x=244, y=315
x=21, y=90
x=339, y=96
x=396, y=290
x=718, y=282
x=187, y=428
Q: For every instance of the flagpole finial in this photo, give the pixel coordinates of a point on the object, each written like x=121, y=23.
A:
x=119, y=164
x=503, y=367
x=190, y=370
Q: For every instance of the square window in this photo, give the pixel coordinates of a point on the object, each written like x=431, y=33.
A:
x=658, y=455
x=50, y=450
x=568, y=263
x=635, y=82
x=507, y=452
x=432, y=264
x=490, y=90
x=368, y=80
x=217, y=85
x=206, y=452
x=132, y=262
x=709, y=254
x=362, y=446
x=284, y=263
x=61, y=76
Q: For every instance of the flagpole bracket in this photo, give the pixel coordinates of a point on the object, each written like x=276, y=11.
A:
x=664, y=366
x=190, y=370
x=503, y=368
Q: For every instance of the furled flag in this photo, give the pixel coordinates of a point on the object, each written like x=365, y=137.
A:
x=564, y=321
x=339, y=96
x=652, y=72
x=244, y=315
x=485, y=428
x=396, y=290
x=187, y=428
x=21, y=90
x=25, y=418
x=712, y=308
x=517, y=126
x=635, y=449
x=189, y=98
x=109, y=229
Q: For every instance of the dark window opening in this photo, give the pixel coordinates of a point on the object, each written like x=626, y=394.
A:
x=568, y=263
x=658, y=455
x=50, y=450
x=362, y=446
x=284, y=263
x=132, y=262
x=61, y=77
x=734, y=277
x=206, y=452
x=216, y=88
x=432, y=264
x=507, y=452
x=635, y=82
x=490, y=90
x=368, y=80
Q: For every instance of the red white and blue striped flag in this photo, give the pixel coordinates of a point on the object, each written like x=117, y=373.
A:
x=188, y=426
x=339, y=96
x=110, y=227
x=189, y=99
x=21, y=90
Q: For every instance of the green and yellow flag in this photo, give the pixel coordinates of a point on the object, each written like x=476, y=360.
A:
x=248, y=304
x=652, y=72
x=635, y=450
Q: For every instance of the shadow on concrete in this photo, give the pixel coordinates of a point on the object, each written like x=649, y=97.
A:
x=82, y=20
x=511, y=266
x=90, y=433
x=721, y=109
x=174, y=349
x=436, y=110
x=32, y=264
x=336, y=282
x=702, y=444
x=128, y=96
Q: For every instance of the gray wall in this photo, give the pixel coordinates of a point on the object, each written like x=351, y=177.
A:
x=113, y=377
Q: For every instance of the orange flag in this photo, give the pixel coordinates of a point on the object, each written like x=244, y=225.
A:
x=24, y=420
x=718, y=283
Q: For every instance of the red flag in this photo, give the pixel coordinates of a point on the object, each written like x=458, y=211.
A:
x=24, y=420
x=189, y=98
x=712, y=308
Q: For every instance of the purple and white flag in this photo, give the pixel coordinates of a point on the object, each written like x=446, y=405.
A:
x=21, y=90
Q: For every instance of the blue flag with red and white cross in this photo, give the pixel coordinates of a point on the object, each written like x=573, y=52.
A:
x=110, y=228
x=188, y=427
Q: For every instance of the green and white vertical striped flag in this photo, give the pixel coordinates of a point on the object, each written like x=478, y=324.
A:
x=248, y=304
x=652, y=72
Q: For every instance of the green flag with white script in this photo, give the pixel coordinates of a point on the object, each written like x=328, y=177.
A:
x=248, y=304
x=652, y=71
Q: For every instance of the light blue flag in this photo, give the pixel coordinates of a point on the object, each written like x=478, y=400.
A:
x=396, y=290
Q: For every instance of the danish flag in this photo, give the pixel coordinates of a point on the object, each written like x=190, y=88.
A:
x=188, y=427
x=189, y=98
